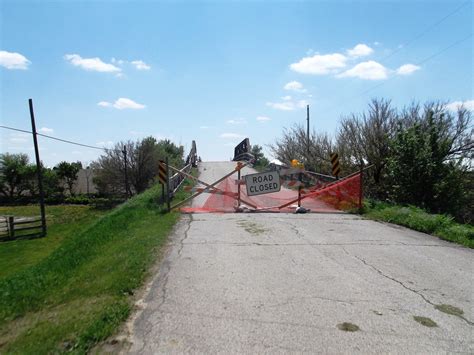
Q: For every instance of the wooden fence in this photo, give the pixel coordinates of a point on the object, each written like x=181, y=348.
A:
x=12, y=227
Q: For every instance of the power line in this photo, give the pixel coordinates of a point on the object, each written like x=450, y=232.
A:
x=422, y=61
x=55, y=138
x=426, y=30
x=408, y=43
x=418, y=63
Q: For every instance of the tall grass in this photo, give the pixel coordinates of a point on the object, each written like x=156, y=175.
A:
x=80, y=293
x=415, y=218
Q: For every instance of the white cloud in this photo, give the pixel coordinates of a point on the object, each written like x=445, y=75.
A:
x=16, y=138
x=105, y=144
x=263, y=118
x=140, y=65
x=288, y=105
x=283, y=106
x=295, y=86
x=407, y=69
x=360, y=50
x=237, y=121
x=122, y=104
x=369, y=70
x=454, y=106
x=286, y=98
x=117, y=61
x=91, y=64
x=11, y=60
x=46, y=130
x=320, y=64
x=231, y=136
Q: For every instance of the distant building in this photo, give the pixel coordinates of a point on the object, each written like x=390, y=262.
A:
x=84, y=183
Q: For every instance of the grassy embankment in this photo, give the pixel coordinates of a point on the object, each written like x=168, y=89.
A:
x=72, y=289
x=415, y=218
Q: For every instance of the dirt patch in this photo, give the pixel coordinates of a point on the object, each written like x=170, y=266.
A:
x=252, y=227
x=348, y=327
x=427, y=322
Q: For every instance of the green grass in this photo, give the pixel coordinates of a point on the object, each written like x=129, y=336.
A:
x=63, y=222
x=415, y=218
x=80, y=293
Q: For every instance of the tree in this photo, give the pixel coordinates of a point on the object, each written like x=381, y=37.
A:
x=294, y=145
x=260, y=159
x=366, y=137
x=13, y=174
x=142, y=164
x=68, y=173
x=51, y=185
x=430, y=157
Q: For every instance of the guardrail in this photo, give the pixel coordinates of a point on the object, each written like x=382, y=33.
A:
x=12, y=227
x=177, y=179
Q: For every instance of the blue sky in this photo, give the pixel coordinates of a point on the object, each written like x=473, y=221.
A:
x=216, y=72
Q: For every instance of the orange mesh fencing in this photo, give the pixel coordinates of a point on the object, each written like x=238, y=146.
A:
x=341, y=195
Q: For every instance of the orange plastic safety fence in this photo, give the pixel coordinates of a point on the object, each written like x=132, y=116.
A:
x=341, y=195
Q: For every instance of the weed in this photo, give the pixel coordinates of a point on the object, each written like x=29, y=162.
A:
x=446, y=308
x=252, y=227
x=348, y=327
x=427, y=322
x=415, y=218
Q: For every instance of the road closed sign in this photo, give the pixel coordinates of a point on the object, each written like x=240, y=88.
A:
x=262, y=183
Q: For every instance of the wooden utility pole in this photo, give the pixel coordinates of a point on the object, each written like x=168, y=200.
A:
x=127, y=188
x=361, y=188
x=38, y=169
x=307, y=131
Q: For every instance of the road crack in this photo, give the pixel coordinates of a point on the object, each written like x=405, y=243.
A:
x=181, y=242
x=423, y=297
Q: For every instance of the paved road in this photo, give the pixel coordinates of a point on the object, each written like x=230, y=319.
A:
x=283, y=283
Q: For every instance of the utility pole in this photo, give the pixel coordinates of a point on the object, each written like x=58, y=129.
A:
x=307, y=134
x=127, y=188
x=38, y=169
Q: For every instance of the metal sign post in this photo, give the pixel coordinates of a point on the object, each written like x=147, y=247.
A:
x=238, y=188
x=162, y=178
x=336, y=169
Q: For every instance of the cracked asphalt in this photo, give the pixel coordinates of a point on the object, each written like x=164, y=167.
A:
x=285, y=283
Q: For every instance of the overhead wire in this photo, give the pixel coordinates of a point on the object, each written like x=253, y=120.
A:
x=409, y=42
x=350, y=98
x=55, y=138
x=426, y=30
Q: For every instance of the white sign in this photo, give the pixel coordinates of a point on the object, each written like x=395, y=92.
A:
x=262, y=183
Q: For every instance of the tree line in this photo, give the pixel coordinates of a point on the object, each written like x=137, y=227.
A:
x=137, y=159
x=420, y=155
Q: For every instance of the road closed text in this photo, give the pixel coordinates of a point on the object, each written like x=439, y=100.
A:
x=262, y=183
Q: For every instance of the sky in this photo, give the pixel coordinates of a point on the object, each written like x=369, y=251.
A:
x=101, y=72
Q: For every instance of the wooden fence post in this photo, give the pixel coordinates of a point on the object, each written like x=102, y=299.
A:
x=168, y=197
x=11, y=226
